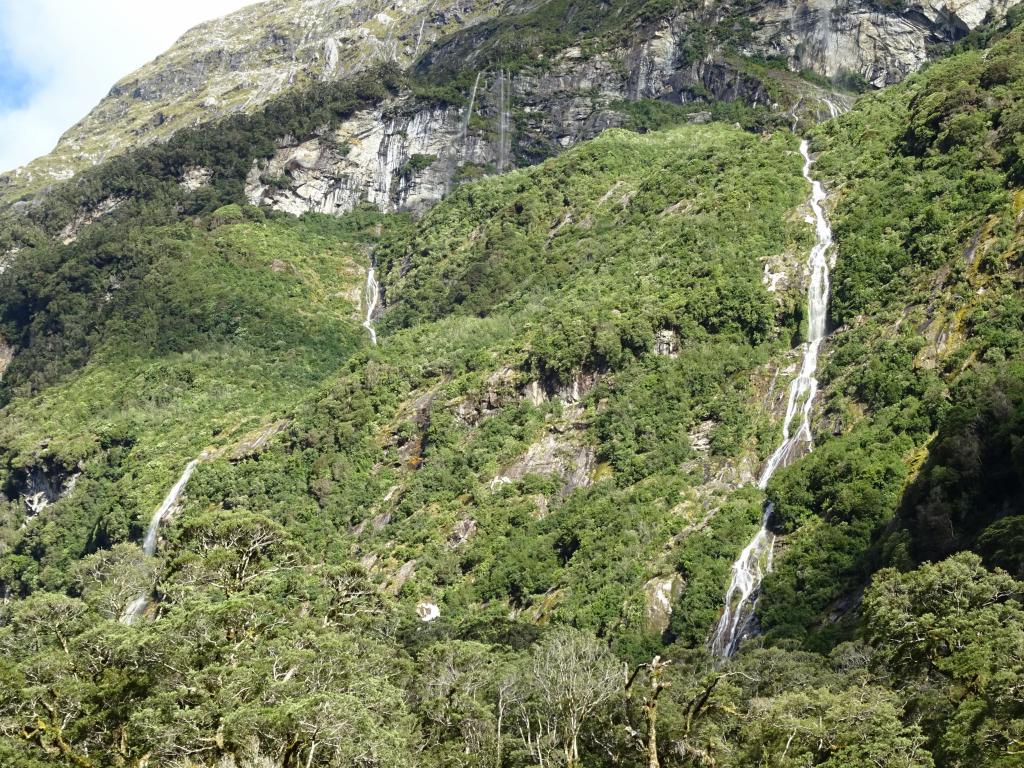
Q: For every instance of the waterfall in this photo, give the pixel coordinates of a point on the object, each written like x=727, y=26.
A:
x=792, y=114
x=833, y=108
x=372, y=297
x=756, y=558
x=149, y=543
x=138, y=605
x=419, y=37
x=423, y=23
x=469, y=112
x=504, y=99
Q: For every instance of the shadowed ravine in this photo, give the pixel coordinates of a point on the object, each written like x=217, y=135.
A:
x=756, y=559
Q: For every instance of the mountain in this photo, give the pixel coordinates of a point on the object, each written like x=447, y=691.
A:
x=238, y=63
x=574, y=384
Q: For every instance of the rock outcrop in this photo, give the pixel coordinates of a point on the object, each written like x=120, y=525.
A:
x=407, y=156
x=659, y=595
x=553, y=456
x=239, y=62
x=405, y=162
x=880, y=44
x=6, y=356
x=41, y=485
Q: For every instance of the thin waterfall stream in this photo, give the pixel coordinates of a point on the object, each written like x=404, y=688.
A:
x=504, y=102
x=372, y=297
x=469, y=112
x=138, y=605
x=756, y=559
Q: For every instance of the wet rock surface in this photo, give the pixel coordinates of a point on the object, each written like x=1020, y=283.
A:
x=407, y=157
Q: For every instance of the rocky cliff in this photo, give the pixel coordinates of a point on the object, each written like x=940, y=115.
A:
x=407, y=156
x=879, y=42
x=413, y=158
x=239, y=62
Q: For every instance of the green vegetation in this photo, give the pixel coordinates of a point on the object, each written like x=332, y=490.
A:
x=578, y=373
x=518, y=39
x=227, y=329
x=927, y=294
x=647, y=115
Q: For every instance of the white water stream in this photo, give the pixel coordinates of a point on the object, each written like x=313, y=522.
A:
x=419, y=37
x=504, y=99
x=138, y=605
x=469, y=111
x=756, y=559
x=372, y=297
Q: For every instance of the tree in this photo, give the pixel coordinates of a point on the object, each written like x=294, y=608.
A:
x=454, y=699
x=954, y=632
x=655, y=671
x=569, y=680
x=111, y=579
x=229, y=551
x=857, y=727
x=42, y=692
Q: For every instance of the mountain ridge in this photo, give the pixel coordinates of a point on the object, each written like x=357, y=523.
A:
x=281, y=43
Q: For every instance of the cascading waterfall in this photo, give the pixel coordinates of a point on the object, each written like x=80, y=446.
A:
x=138, y=605
x=501, y=120
x=756, y=559
x=372, y=297
x=469, y=112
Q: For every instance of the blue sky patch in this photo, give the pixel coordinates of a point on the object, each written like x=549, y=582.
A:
x=16, y=85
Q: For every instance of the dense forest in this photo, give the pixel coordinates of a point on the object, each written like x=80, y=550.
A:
x=501, y=535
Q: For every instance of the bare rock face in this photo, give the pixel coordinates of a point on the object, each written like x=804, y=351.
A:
x=553, y=456
x=6, y=356
x=462, y=532
x=405, y=162
x=660, y=593
x=41, y=485
x=404, y=157
x=72, y=229
x=833, y=37
x=401, y=576
x=666, y=343
x=196, y=177
x=239, y=62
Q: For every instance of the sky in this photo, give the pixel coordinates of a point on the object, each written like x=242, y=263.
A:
x=58, y=58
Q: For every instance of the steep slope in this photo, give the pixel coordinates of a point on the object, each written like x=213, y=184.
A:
x=238, y=63
x=471, y=477
x=927, y=304
x=206, y=352
x=444, y=548
x=651, y=49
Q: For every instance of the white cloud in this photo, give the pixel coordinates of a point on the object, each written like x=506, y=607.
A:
x=75, y=50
